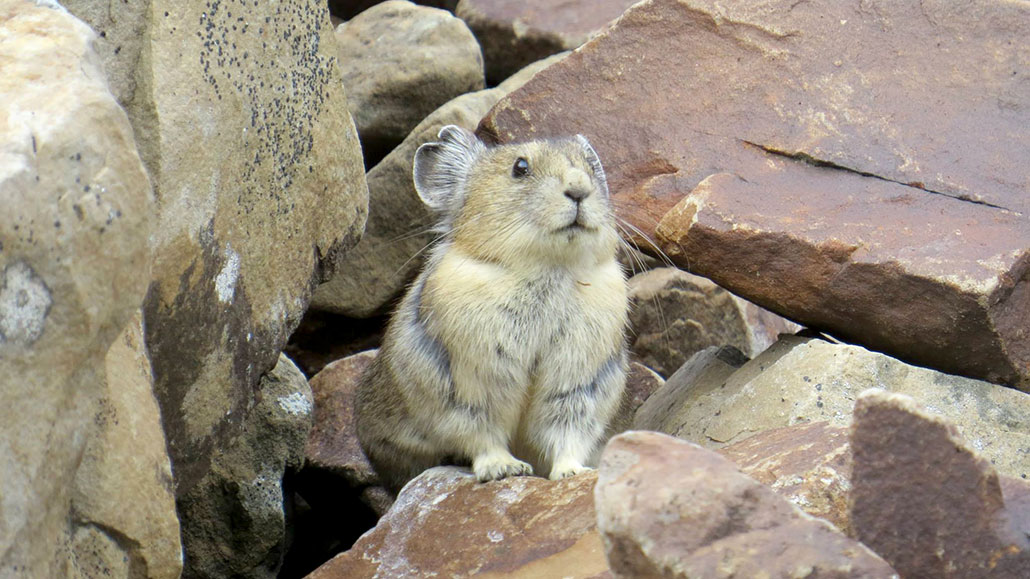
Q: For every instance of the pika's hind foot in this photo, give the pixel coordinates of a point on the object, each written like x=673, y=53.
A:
x=568, y=469
x=498, y=465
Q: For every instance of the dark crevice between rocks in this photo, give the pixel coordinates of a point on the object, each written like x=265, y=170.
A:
x=327, y=516
x=815, y=162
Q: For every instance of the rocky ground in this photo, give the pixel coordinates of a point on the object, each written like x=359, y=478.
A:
x=208, y=213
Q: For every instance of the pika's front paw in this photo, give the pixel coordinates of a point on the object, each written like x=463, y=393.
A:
x=498, y=466
x=561, y=471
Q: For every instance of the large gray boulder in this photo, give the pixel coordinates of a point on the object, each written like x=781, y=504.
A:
x=400, y=62
x=74, y=266
x=242, y=121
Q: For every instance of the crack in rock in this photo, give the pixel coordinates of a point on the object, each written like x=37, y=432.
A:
x=807, y=159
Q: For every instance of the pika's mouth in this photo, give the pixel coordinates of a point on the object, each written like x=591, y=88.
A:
x=575, y=226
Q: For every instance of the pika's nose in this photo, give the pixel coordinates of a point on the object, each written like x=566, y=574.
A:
x=577, y=194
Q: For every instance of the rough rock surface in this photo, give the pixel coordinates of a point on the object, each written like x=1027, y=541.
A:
x=807, y=464
x=816, y=182
x=74, y=263
x=241, y=118
x=123, y=495
x=514, y=34
x=675, y=314
x=694, y=515
x=233, y=520
x=926, y=502
x=400, y=62
x=446, y=523
x=801, y=380
x=332, y=444
x=388, y=255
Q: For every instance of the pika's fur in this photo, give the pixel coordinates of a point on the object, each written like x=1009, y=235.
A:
x=511, y=340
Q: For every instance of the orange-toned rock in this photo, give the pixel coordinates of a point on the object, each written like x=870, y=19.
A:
x=447, y=524
x=862, y=171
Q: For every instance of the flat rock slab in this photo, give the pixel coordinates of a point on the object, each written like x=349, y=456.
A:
x=929, y=504
x=809, y=174
x=447, y=524
x=668, y=508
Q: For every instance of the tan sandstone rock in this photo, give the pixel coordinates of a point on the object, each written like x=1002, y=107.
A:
x=74, y=264
x=668, y=508
x=785, y=150
x=800, y=380
x=123, y=495
x=242, y=121
x=927, y=502
x=674, y=314
x=514, y=34
x=400, y=62
x=446, y=523
x=397, y=232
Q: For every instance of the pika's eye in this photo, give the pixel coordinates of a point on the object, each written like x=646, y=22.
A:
x=520, y=168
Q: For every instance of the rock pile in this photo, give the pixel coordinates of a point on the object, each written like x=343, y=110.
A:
x=183, y=181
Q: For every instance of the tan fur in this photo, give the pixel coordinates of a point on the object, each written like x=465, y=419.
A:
x=512, y=338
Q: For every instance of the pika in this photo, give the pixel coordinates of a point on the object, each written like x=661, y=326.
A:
x=511, y=341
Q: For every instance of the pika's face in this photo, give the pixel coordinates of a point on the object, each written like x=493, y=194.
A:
x=545, y=201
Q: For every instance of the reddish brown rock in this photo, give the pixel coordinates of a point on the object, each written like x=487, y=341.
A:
x=694, y=515
x=514, y=34
x=333, y=442
x=675, y=314
x=832, y=194
x=447, y=524
x=929, y=504
x=807, y=464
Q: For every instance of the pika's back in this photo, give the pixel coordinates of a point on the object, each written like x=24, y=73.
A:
x=541, y=201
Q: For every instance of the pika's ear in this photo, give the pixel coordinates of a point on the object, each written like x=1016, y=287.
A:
x=595, y=163
x=440, y=168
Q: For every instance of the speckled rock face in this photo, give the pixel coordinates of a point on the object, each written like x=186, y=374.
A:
x=389, y=253
x=801, y=380
x=814, y=179
x=446, y=523
x=514, y=34
x=241, y=118
x=245, y=484
x=675, y=314
x=123, y=495
x=695, y=515
x=807, y=464
x=74, y=261
x=400, y=62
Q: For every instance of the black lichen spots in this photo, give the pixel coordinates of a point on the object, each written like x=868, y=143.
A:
x=278, y=71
